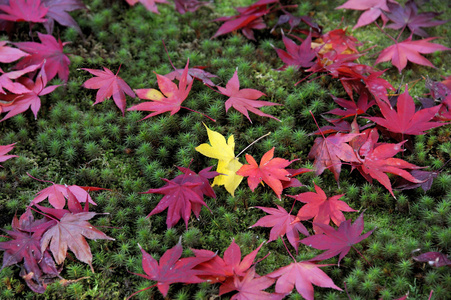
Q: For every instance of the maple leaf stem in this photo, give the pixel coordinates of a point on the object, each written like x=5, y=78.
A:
x=142, y=290
x=361, y=255
x=444, y=165
x=327, y=146
x=384, y=32
x=213, y=89
x=283, y=240
x=198, y=113
x=320, y=131
x=310, y=79
x=262, y=258
x=265, y=135
x=294, y=202
x=430, y=295
x=346, y=290
x=399, y=35
x=118, y=69
x=46, y=215
x=41, y=180
x=167, y=53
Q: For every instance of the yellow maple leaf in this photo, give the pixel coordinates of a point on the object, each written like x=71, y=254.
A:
x=228, y=164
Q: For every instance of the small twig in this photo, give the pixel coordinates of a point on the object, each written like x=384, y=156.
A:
x=384, y=32
x=362, y=255
x=142, y=290
x=167, y=53
x=198, y=113
x=346, y=290
x=41, y=180
x=287, y=249
x=252, y=144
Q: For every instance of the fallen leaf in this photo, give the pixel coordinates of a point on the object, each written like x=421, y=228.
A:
x=373, y=10
x=182, y=195
x=244, y=100
x=9, y=54
x=5, y=149
x=30, y=99
x=58, y=11
x=409, y=17
x=49, y=50
x=409, y=50
x=302, y=275
x=282, y=223
x=109, y=84
x=171, y=269
x=169, y=99
x=435, y=259
x=301, y=56
x=329, y=152
x=405, y=120
x=32, y=11
x=336, y=241
x=228, y=164
x=150, y=5
x=321, y=208
x=271, y=171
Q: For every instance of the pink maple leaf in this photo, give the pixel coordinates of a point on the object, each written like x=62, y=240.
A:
x=49, y=50
x=244, y=100
x=109, y=84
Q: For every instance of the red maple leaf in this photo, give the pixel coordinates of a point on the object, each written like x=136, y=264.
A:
x=30, y=99
x=25, y=245
x=5, y=149
x=302, y=275
x=378, y=160
x=195, y=72
x=183, y=194
x=169, y=99
x=351, y=108
x=171, y=269
x=337, y=241
x=301, y=56
x=223, y=270
x=58, y=11
x=409, y=50
x=321, y=208
x=426, y=177
x=330, y=151
x=50, y=51
x=251, y=286
x=8, y=54
x=249, y=18
x=339, y=41
x=58, y=193
x=183, y=6
x=282, y=223
x=405, y=120
x=373, y=10
x=69, y=231
x=409, y=17
x=150, y=5
x=109, y=84
x=271, y=171
x=435, y=259
x=32, y=11
x=15, y=87
x=377, y=86
x=244, y=100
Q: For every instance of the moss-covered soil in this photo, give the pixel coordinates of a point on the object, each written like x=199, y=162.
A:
x=73, y=142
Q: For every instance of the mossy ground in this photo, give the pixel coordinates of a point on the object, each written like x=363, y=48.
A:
x=74, y=142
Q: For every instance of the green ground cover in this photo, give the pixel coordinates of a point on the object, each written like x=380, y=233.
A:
x=73, y=142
